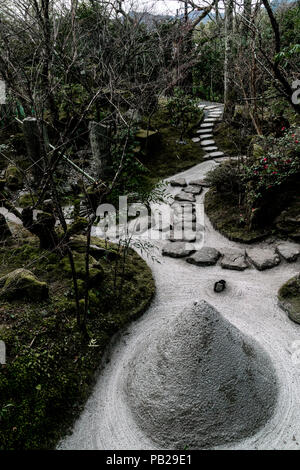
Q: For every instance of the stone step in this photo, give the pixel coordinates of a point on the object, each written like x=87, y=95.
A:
x=217, y=154
x=206, y=136
x=178, y=182
x=204, y=131
x=210, y=149
x=195, y=140
x=206, y=256
x=206, y=125
x=207, y=143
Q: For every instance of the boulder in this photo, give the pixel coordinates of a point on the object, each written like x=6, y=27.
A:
x=178, y=182
x=206, y=256
x=289, y=298
x=177, y=249
x=14, y=178
x=183, y=196
x=234, y=259
x=263, y=258
x=22, y=283
x=78, y=243
x=288, y=251
x=193, y=189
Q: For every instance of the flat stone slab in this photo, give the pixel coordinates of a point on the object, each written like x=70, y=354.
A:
x=178, y=182
x=206, y=125
x=204, y=131
x=234, y=260
x=206, y=256
x=200, y=182
x=178, y=249
x=210, y=119
x=263, y=258
x=193, y=189
x=206, y=136
x=183, y=196
x=217, y=154
x=212, y=148
x=289, y=251
x=195, y=140
x=207, y=142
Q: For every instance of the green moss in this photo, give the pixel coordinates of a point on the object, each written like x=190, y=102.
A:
x=289, y=298
x=50, y=367
x=230, y=140
x=170, y=157
x=26, y=200
x=22, y=283
x=226, y=216
x=14, y=178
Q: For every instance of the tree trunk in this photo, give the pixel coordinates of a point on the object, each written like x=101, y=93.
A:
x=228, y=71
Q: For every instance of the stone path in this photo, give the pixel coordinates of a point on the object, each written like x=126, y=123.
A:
x=249, y=303
x=233, y=259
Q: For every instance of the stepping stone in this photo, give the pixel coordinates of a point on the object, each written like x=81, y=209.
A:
x=178, y=249
x=210, y=119
x=207, y=143
x=212, y=148
x=186, y=236
x=206, y=256
x=184, y=218
x=206, y=125
x=234, y=260
x=206, y=136
x=185, y=207
x=207, y=156
x=204, y=131
x=289, y=251
x=178, y=182
x=195, y=140
x=263, y=258
x=212, y=107
x=193, y=189
x=216, y=154
x=182, y=196
x=200, y=183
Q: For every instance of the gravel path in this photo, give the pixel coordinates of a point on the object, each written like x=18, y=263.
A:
x=249, y=303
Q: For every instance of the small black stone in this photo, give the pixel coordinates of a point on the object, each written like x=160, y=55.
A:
x=220, y=286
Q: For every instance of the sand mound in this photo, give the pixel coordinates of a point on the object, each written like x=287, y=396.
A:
x=201, y=382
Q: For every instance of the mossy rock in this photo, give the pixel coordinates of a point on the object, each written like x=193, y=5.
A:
x=258, y=151
x=96, y=271
x=78, y=226
x=26, y=200
x=148, y=139
x=22, y=283
x=14, y=178
x=289, y=298
x=78, y=244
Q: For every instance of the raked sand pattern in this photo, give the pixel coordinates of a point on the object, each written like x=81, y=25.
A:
x=246, y=312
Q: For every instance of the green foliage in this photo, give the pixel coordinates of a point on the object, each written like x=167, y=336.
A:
x=279, y=162
x=182, y=110
x=50, y=367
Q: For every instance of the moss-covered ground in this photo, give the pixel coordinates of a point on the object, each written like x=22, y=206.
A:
x=50, y=367
x=171, y=157
x=226, y=216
